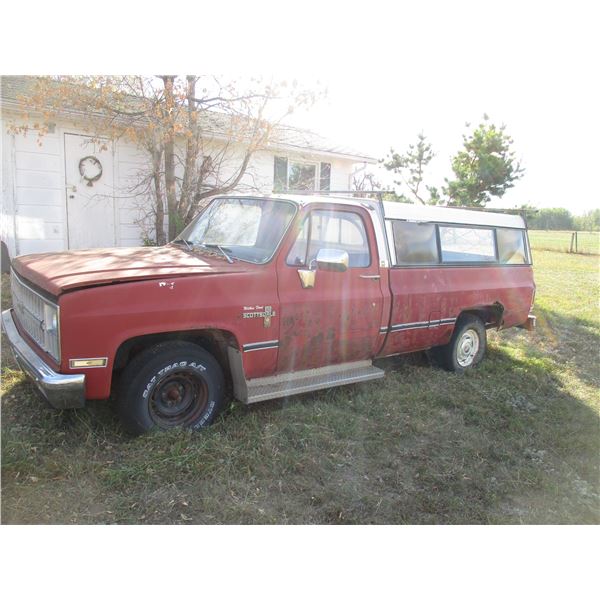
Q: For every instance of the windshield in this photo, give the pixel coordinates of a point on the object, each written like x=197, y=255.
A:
x=246, y=228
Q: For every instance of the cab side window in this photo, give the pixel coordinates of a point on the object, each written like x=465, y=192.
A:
x=331, y=229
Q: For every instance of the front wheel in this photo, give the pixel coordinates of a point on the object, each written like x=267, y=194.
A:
x=172, y=384
x=467, y=346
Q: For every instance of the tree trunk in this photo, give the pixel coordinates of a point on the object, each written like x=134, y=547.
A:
x=191, y=154
x=159, y=221
x=170, y=183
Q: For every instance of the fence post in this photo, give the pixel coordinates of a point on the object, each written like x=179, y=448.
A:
x=572, y=241
x=576, y=245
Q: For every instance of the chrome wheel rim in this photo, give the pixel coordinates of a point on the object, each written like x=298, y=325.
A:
x=467, y=348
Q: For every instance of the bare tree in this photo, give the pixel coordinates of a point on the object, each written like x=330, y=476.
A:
x=199, y=133
x=365, y=182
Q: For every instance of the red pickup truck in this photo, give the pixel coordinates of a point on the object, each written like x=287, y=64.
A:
x=264, y=297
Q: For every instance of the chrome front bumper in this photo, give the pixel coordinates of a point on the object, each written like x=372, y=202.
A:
x=61, y=391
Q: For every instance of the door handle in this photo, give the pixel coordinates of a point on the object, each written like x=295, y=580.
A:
x=370, y=276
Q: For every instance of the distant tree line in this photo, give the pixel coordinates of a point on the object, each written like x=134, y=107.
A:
x=563, y=219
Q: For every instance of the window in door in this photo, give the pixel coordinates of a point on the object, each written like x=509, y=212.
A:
x=331, y=229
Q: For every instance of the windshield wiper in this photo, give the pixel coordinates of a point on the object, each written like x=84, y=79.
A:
x=222, y=250
x=182, y=241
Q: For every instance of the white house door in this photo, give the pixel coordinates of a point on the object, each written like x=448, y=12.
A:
x=90, y=192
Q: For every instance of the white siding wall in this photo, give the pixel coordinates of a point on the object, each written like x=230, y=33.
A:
x=37, y=195
x=132, y=204
x=7, y=224
x=341, y=174
x=260, y=172
x=34, y=195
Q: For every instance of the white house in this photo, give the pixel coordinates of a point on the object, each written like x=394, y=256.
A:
x=64, y=191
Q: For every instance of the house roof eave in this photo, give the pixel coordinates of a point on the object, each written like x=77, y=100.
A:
x=286, y=138
x=319, y=152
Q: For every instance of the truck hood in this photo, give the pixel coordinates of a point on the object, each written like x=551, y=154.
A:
x=61, y=271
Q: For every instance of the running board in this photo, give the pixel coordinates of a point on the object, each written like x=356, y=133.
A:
x=289, y=384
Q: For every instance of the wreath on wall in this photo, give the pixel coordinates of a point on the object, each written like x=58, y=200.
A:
x=90, y=169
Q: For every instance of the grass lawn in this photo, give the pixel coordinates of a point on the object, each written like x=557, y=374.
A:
x=515, y=441
x=588, y=242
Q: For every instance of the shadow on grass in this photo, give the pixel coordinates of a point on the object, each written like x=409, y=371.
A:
x=571, y=340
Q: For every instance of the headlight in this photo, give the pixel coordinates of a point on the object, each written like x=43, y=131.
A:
x=50, y=328
x=50, y=318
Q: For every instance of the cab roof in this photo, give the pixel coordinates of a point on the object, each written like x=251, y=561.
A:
x=410, y=212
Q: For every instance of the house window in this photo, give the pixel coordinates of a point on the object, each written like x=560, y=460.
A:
x=295, y=175
x=280, y=178
x=325, y=179
x=302, y=176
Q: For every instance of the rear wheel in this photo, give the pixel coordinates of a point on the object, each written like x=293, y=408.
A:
x=172, y=384
x=467, y=346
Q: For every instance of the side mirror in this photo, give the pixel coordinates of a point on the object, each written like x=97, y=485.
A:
x=330, y=259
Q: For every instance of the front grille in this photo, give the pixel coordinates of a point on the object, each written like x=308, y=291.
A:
x=33, y=311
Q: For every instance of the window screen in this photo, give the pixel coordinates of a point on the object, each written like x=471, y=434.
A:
x=326, y=229
x=511, y=246
x=462, y=244
x=415, y=243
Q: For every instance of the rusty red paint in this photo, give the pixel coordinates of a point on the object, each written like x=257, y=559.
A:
x=336, y=321
x=110, y=296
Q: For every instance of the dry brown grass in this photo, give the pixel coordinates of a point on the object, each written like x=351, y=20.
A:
x=515, y=441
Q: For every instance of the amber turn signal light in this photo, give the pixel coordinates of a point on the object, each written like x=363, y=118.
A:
x=80, y=363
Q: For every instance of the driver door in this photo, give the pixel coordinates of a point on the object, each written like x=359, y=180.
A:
x=339, y=319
